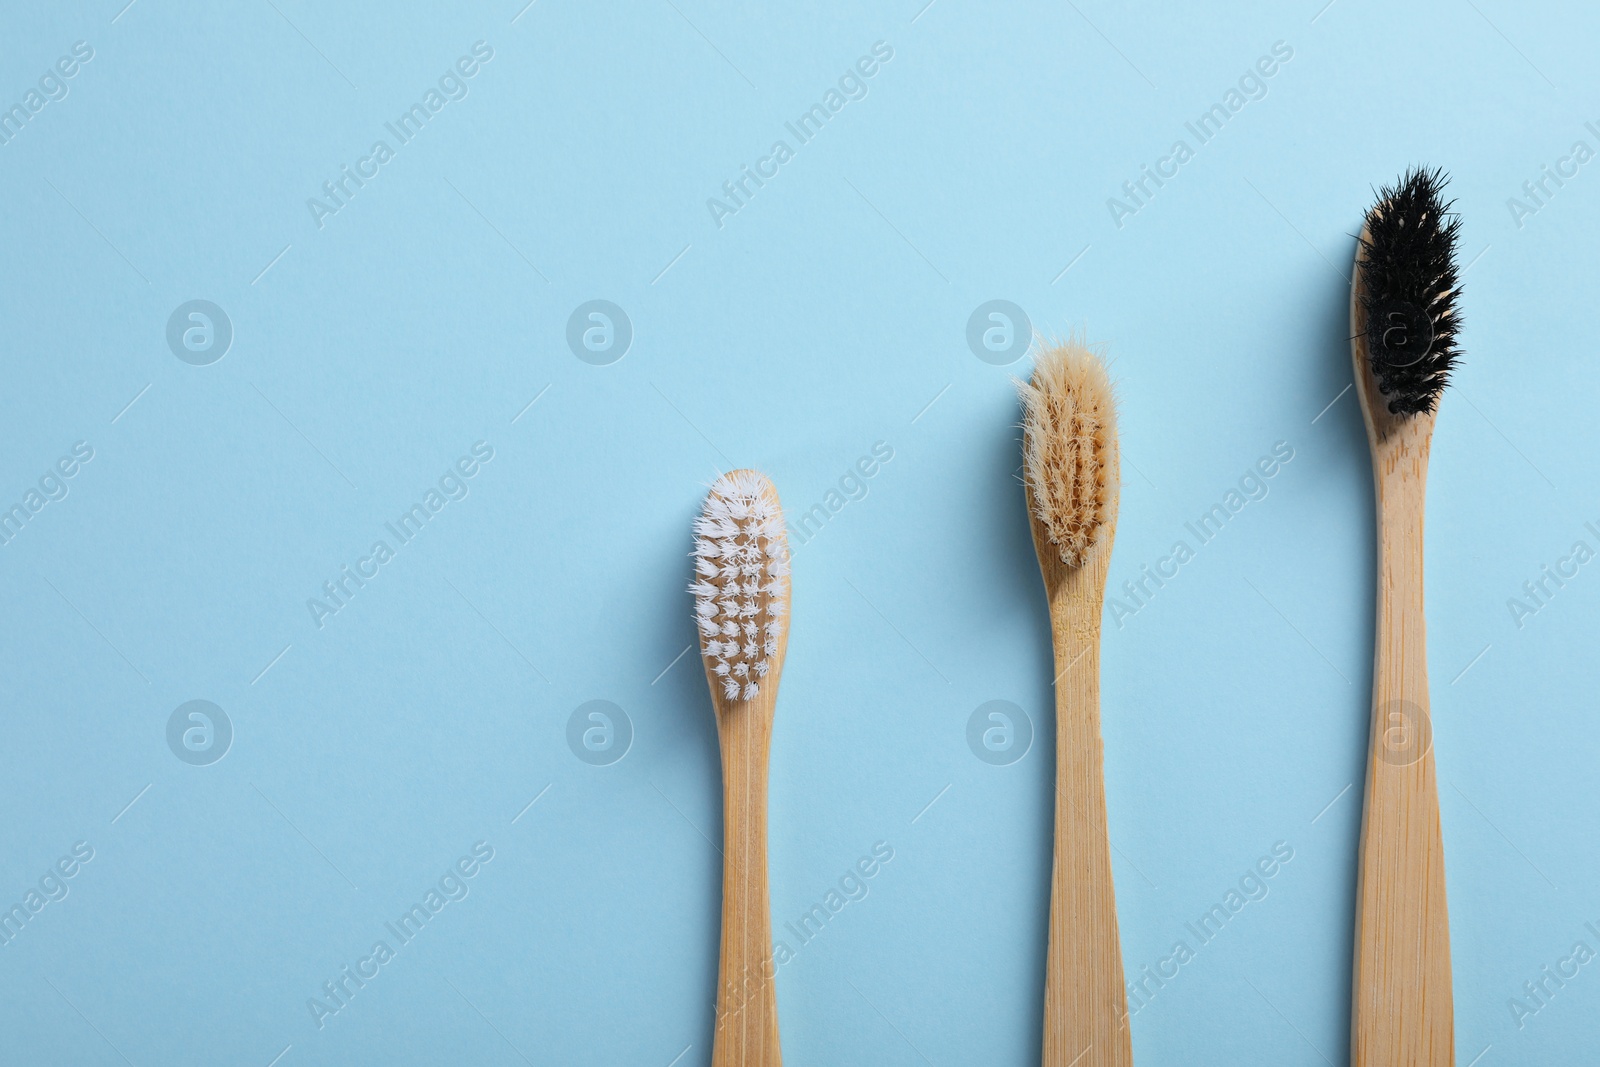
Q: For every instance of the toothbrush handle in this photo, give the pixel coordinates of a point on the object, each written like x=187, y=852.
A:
x=1085, y=1003
x=1402, y=1014
x=747, y=1004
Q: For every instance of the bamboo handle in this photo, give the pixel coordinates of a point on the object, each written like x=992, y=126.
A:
x=1085, y=1002
x=747, y=1001
x=1403, y=1013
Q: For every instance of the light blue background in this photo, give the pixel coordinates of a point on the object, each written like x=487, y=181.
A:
x=827, y=315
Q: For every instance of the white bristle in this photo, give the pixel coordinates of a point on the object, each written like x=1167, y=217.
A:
x=741, y=567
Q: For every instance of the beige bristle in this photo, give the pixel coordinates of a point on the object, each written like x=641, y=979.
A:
x=1070, y=447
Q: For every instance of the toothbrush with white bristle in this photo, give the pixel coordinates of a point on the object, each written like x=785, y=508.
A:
x=741, y=607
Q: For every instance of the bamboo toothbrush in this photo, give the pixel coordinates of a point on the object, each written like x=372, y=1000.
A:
x=1403, y=322
x=741, y=598
x=1071, y=472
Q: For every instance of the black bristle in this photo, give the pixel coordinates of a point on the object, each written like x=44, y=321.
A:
x=1411, y=290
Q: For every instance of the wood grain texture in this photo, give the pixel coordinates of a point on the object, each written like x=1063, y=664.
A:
x=1402, y=1013
x=1085, y=1002
x=746, y=1032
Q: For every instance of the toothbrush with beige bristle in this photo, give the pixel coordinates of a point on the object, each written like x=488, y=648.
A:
x=741, y=603
x=1071, y=472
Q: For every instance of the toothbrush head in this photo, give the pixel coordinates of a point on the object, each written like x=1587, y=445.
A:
x=1409, y=288
x=741, y=585
x=1071, y=463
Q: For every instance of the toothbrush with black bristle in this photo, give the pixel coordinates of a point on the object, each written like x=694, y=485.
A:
x=741, y=608
x=1403, y=320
